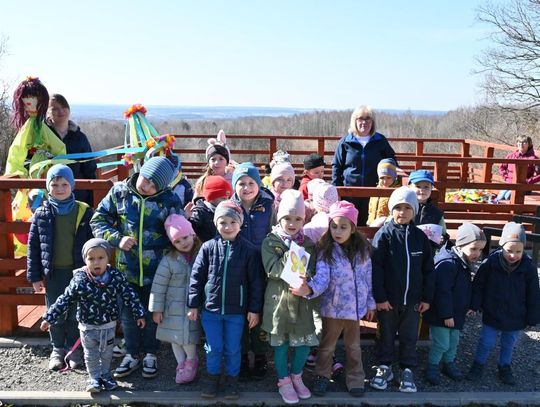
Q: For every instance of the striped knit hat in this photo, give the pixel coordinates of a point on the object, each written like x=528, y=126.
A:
x=387, y=166
x=159, y=170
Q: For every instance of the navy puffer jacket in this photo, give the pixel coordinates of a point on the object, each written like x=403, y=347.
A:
x=257, y=222
x=41, y=240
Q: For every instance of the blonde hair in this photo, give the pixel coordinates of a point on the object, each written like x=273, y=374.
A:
x=362, y=111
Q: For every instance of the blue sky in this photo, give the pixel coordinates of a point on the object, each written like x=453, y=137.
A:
x=312, y=54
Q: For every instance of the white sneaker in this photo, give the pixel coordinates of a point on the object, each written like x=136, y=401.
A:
x=149, y=366
x=119, y=350
x=406, y=384
x=128, y=365
x=382, y=377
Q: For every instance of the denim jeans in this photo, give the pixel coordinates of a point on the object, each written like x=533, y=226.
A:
x=98, y=349
x=444, y=343
x=488, y=340
x=505, y=194
x=139, y=340
x=223, y=340
x=64, y=332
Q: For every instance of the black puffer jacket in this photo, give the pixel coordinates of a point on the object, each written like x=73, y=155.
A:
x=41, y=240
x=227, y=277
x=202, y=219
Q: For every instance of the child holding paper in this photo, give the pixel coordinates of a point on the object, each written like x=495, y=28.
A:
x=288, y=318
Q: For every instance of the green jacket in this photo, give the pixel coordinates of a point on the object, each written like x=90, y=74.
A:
x=283, y=312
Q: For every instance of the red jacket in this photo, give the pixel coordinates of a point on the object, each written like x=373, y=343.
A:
x=533, y=173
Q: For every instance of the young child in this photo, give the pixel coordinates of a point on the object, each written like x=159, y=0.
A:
x=256, y=204
x=525, y=151
x=324, y=195
x=506, y=290
x=267, y=170
x=281, y=179
x=217, y=159
x=59, y=229
x=288, y=318
x=454, y=268
x=403, y=286
x=131, y=218
x=313, y=169
x=168, y=298
x=226, y=283
x=96, y=289
x=215, y=189
x=310, y=207
x=343, y=282
x=422, y=183
x=378, y=205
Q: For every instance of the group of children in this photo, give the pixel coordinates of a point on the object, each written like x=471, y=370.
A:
x=218, y=263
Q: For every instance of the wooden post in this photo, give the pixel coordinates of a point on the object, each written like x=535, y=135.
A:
x=419, y=153
x=519, y=177
x=320, y=146
x=273, y=148
x=465, y=152
x=486, y=173
x=536, y=246
x=8, y=313
x=441, y=169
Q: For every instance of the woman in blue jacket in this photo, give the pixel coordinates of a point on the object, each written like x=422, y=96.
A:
x=357, y=156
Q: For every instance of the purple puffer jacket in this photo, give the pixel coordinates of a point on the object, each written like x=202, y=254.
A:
x=345, y=293
x=533, y=173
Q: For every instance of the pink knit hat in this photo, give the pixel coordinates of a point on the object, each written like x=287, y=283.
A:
x=345, y=209
x=292, y=203
x=324, y=195
x=177, y=226
x=281, y=170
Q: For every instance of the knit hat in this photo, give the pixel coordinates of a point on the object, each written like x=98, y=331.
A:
x=281, y=170
x=177, y=226
x=280, y=156
x=96, y=242
x=513, y=232
x=248, y=169
x=313, y=184
x=468, y=233
x=421, y=175
x=313, y=160
x=292, y=203
x=388, y=166
x=345, y=209
x=215, y=187
x=159, y=170
x=60, y=170
x=218, y=145
x=403, y=195
x=231, y=209
x=323, y=196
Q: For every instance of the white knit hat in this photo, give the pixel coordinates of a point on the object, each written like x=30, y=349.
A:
x=292, y=203
x=403, y=195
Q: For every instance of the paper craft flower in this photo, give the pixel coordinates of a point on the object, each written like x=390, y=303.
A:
x=136, y=108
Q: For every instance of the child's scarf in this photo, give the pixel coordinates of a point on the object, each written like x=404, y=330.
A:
x=297, y=238
x=62, y=207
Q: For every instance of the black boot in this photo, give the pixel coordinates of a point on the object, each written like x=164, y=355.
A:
x=506, y=375
x=245, y=371
x=231, y=388
x=475, y=373
x=210, y=386
x=260, y=367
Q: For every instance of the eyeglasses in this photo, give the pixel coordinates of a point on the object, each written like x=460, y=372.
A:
x=364, y=119
x=522, y=143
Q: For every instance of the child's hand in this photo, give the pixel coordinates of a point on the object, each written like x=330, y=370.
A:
x=384, y=306
x=38, y=286
x=471, y=313
x=44, y=326
x=449, y=322
x=301, y=291
x=187, y=210
x=193, y=314
x=369, y=315
x=253, y=319
x=127, y=243
x=157, y=317
x=423, y=307
x=141, y=323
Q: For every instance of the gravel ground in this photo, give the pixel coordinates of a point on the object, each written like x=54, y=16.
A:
x=26, y=369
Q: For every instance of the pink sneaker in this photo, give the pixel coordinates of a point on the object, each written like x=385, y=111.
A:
x=287, y=392
x=190, y=370
x=301, y=390
x=180, y=372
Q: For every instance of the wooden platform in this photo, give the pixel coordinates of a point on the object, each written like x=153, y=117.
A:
x=29, y=317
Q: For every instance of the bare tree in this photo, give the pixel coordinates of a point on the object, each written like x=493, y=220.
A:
x=6, y=131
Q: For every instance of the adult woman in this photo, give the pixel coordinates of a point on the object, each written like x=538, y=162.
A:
x=357, y=156
x=75, y=141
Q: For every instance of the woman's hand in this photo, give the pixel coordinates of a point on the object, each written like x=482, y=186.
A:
x=157, y=317
x=127, y=243
x=384, y=306
x=253, y=319
x=193, y=314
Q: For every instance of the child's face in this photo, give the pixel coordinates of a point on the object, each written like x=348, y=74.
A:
x=228, y=227
x=317, y=172
x=291, y=224
x=217, y=164
x=246, y=188
x=145, y=187
x=59, y=188
x=513, y=252
x=473, y=250
x=402, y=214
x=96, y=260
x=341, y=229
x=385, y=181
x=184, y=244
x=282, y=183
x=422, y=190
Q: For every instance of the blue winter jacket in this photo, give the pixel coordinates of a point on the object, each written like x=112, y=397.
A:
x=453, y=290
x=257, y=223
x=508, y=301
x=355, y=165
x=227, y=277
x=402, y=265
x=41, y=240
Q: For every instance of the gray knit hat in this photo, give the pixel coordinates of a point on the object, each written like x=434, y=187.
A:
x=513, y=232
x=468, y=233
x=159, y=170
x=403, y=195
x=96, y=242
x=231, y=209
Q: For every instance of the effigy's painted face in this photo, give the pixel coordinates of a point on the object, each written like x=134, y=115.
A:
x=30, y=104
